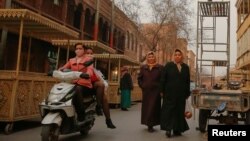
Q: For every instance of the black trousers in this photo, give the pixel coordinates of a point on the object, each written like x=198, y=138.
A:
x=78, y=100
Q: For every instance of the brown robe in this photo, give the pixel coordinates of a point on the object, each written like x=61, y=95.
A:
x=149, y=82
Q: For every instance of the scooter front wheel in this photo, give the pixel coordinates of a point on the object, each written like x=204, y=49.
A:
x=50, y=132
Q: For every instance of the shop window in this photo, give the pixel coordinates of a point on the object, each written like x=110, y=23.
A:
x=114, y=74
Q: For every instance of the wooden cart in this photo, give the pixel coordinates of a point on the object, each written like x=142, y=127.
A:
x=25, y=43
x=20, y=96
x=114, y=97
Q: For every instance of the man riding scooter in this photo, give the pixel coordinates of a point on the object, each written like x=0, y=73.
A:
x=83, y=85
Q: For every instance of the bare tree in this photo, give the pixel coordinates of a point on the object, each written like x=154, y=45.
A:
x=174, y=12
x=169, y=19
x=131, y=8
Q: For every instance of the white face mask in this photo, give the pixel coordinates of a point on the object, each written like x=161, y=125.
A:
x=79, y=51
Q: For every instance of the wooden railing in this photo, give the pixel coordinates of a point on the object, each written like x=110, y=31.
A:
x=49, y=14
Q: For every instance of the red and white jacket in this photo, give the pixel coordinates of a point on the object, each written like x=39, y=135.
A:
x=74, y=66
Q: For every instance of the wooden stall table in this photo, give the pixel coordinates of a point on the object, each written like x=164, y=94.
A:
x=20, y=96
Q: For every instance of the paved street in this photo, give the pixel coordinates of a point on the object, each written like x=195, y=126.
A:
x=128, y=128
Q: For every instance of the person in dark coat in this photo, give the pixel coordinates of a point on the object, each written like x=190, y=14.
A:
x=126, y=85
x=175, y=85
x=149, y=82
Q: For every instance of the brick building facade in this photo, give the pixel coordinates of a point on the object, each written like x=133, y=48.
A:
x=37, y=36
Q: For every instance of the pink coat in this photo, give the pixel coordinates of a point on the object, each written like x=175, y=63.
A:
x=74, y=66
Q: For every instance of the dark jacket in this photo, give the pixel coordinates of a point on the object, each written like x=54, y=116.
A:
x=126, y=82
x=175, y=83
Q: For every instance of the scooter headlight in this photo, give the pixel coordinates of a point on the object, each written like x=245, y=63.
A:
x=55, y=97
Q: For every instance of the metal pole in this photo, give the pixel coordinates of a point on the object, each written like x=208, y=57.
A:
x=228, y=43
x=201, y=49
x=197, y=46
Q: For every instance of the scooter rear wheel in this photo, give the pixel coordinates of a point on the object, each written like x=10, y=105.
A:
x=49, y=133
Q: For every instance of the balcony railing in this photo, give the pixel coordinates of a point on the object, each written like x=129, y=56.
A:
x=47, y=12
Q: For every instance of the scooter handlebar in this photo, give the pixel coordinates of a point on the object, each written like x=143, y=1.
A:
x=71, y=75
x=84, y=76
